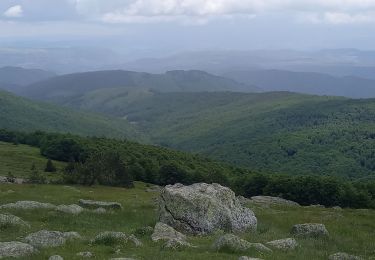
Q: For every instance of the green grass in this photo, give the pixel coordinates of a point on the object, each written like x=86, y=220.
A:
x=18, y=160
x=350, y=230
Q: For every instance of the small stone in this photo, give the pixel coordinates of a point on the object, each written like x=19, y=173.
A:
x=135, y=240
x=70, y=209
x=28, y=205
x=99, y=204
x=310, y=230
x=100, y=211
x=110, y=238
x=176, y=244
x=55, y=257
x=45, y=238
x=16, y=249
x=338, y=208
x=284, y=244
x=85, y=254
x=164, y=232
x=248, y=258
x=11, y=220
x=344, y=256
x=235, y=244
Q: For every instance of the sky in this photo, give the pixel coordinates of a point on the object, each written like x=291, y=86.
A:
x=176, y=25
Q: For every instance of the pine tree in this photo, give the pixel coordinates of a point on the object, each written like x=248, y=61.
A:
x=50, y=167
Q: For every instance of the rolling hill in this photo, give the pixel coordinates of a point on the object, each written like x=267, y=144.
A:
x=18, y=113
x=306, y=82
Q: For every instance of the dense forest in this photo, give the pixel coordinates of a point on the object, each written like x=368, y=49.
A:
x=93, y=160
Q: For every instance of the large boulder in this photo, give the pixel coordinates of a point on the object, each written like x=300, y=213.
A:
x=344, y=256
x=92, y=204
x=283, y=244
x=28, y=205
x=45, y=238
x=232, y=243
x=11, y=220
x=310, y=230
x=15, y=249
x=273, y=201
x=204, y=208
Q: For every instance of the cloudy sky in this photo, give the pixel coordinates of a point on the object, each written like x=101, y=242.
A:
x=190, y=24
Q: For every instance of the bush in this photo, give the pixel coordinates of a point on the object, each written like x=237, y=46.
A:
x=50, y=167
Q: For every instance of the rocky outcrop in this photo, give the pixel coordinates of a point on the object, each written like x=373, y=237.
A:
x=233, y=243
x=273, y=201
x=11, y=220
x=164, y=232
x=73, y=209
x=16, y=249
x=344, y=256
x=45, y=238
x=283, y=244
x=92, y=204
x=310, y=230
x=204, y=208
x=28, y=205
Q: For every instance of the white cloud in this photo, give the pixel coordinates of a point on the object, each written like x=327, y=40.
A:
x=14, y=12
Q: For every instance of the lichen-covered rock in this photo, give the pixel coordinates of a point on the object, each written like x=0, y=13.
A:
x=85, y=254
x=230, y=242
x=110, y=238
x=45, y=238
x=70, y=209
x=164, y=232
x=273, y=201
x=283, y=244
x=15, y=249
x=248, y=258
x=92, y=204
x=11, y=220
x=55, y=257
x=28, y=205
x=310, y=230
x=204, y=208
x=344, y=256
x=176, y=244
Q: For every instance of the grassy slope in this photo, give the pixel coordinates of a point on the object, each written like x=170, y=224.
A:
x=18, y=159
x=25, y=115
x=351, y=230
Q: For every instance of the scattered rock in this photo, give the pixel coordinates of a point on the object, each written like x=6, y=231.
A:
x=44, y=238
x=110, y=238
x=233, y=243
x=283, y=244
x=99, y=204
x=100, y=211
x=70, y=209
x=176, y=244
x=204, y=208
x=10, y=220
x=344, y=256
x=273, y=201
x=85, y=254
x=310, y=230
x=143, y=231
x=15, y=249
x=164, y=232
x=135, y=240
x=248, y=258
x=28, y=205
x=55, y=257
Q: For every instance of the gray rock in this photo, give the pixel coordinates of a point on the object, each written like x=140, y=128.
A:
x=11, y=220
x=110, y=237
x=283, y=244
x=164, y=232
x=70, y=209
x=28, y=205
x=204, y=208
x=176, y=244
x=15, y=249
x=344, y=256
x=45, y=238
x=248, y=258
x=233, y=243
x=100, y=211
x=273, y=201
x=85, y=254
x=99, y=204
x=55, y=257
x=135, y=241
x=310, y=230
